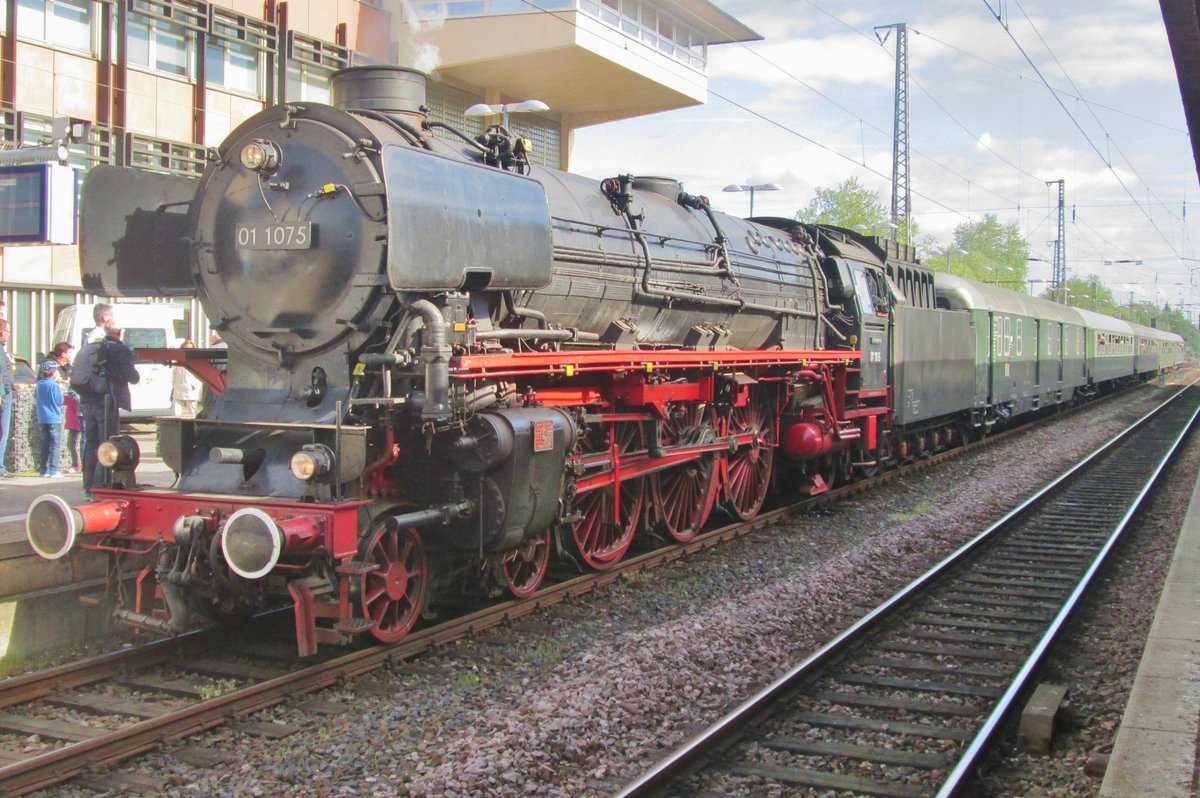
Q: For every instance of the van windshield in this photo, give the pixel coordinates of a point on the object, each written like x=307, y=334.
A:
x=134, y=337
x=145, y=337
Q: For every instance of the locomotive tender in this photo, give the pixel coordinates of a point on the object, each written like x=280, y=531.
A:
x=443, y=364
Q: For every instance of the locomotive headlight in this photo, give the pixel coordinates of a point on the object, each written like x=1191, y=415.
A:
x=261, y=155
x=312, y=462
x=119, y=452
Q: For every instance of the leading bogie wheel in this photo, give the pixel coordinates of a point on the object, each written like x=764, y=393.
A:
x=393, y=594
x=523, y=569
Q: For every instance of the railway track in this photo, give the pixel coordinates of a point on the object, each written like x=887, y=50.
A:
x=131, y=701
x=905, y=701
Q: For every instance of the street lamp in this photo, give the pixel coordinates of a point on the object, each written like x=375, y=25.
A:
x=884, y=226
x=953, y=251
x=995, y=270
x=752, y=189
x=504, y=109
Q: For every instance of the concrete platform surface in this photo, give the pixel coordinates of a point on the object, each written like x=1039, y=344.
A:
x=1154, y=755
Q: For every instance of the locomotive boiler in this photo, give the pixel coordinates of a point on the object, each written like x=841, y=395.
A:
x=443, y=364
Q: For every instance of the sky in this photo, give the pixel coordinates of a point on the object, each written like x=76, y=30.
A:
x=985, y=132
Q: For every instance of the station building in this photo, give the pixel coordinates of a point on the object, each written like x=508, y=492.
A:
x=157, y=82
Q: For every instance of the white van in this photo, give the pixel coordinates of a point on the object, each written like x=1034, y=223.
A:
x=150, y=326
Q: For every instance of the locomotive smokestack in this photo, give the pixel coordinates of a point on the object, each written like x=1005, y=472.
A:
x=383, y=89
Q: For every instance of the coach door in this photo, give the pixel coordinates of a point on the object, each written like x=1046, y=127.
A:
x=1056, y=352
x=1038, y=330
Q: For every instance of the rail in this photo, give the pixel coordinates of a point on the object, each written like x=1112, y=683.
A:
x=881, y=629
x=57, y=766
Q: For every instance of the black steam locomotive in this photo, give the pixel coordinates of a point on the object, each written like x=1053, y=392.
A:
x=445, y=365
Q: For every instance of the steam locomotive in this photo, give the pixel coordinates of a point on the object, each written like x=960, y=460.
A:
x=445, y=365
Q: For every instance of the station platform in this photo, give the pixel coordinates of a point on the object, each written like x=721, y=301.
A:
x=39, y=599
x=17, y=492
x=1154, y=754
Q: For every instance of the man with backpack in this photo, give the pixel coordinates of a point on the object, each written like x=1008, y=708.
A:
x=101, y=376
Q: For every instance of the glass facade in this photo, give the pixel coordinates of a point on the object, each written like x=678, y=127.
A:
x=62, y=23
x=654, y=27
x=233, y=65
x=159, y=45
x=447, y=105
x=641, y=20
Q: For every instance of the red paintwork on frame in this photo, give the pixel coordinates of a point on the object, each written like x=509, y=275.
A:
x=150, y=515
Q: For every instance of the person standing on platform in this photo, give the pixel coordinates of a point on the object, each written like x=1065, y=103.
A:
x=185, y=388
x=49, y=399
x=7, y=369
x=100, y=410
x=72, y=429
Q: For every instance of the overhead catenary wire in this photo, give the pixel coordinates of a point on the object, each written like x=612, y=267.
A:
x=1078, y=126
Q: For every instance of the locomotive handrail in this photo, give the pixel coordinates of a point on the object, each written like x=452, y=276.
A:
x=750, y=260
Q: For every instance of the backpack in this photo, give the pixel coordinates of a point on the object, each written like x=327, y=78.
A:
x=89, y=374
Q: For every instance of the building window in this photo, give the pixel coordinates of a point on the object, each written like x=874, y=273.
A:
x=546, y=136
x=165, y=155
x=308, y=82
x=236, y=51
x=233, y=65
x=159, y=45
x=426, y=10
x=64, y=23
x=311, y=64
x=645, y=22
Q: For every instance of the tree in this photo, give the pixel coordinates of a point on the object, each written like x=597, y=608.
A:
x=847, y=205
x=1091, y=294
x=990, y=252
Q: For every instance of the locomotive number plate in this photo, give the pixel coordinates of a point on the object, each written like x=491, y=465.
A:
x=543, y=436
x=275, y=236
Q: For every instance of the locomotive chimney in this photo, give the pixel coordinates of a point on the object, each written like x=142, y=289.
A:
x=389, y=90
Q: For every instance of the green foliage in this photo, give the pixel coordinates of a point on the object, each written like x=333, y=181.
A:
x=217, y=688
x=987, y=251
x=1091, y=294
x=466, y=681
x=922, y=507
x=847, y=205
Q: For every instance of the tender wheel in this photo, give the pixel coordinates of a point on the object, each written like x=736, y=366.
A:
x=524, y=568
x=684, y=495
x=748, y=470
x=393, y=595
x=604, y=532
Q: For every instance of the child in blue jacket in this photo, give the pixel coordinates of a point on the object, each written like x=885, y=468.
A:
x=49, y=398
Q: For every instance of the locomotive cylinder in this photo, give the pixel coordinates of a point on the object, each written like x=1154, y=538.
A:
x=807, y=441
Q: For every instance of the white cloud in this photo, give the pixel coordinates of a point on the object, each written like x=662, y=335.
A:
x=1009, y=138
x=838, y=59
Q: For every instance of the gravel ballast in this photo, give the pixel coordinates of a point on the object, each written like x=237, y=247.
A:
x=578, y=699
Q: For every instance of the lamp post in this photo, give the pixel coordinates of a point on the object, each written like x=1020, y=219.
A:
x=953, y=251
x=884, y=226
x=504, y=109
x=760, y=187
x=995, y=270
